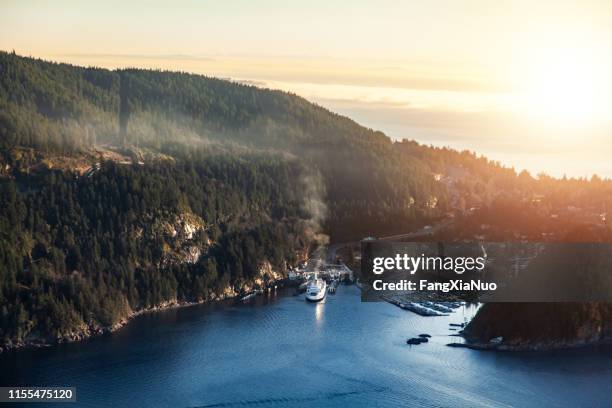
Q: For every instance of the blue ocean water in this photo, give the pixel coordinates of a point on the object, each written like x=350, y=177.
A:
x=282, y=351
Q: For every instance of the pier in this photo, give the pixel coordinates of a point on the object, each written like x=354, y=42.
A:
x=424, y=308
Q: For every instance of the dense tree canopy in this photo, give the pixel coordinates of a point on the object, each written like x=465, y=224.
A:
x=123, y=189
x=89, y=249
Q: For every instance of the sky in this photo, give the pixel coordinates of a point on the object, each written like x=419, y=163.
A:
x=526, y=84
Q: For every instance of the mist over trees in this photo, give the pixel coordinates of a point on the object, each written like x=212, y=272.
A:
x=62, y=109
x=121, y=190
x=258, y=174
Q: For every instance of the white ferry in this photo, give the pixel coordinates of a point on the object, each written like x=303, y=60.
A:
x=316, y=290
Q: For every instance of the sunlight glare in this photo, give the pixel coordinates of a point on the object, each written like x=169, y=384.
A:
x=566, y=86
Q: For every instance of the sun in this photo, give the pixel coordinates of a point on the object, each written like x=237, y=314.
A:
x=566, y=85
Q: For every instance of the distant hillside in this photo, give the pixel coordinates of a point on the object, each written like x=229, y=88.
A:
x=59, y=109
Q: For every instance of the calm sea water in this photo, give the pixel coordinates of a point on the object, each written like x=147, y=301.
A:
x=283, y=351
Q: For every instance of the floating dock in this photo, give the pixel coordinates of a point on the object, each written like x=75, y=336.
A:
x=424, y=308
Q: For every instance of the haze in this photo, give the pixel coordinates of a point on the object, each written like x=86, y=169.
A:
x=524, y=84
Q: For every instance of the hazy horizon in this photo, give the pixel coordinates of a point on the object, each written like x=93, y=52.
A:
x=523, y=84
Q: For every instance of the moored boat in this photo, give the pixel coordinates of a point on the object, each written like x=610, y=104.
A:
x=316, y=290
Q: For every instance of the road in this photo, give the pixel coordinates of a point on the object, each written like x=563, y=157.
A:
x=327, y=254
x=423, y=232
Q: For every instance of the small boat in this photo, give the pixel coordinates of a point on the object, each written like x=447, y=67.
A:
x=248, y=296
x=417, y=340
x=332, y=287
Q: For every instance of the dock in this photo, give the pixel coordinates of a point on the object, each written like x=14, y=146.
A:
x=424, y=308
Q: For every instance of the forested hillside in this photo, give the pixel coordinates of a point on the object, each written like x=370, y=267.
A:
x=86, y=251
x=62, y=109
x=124, y=190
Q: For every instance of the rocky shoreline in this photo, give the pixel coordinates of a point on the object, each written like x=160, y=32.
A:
x=538, y=327
x=88, y=331
x=536, y=346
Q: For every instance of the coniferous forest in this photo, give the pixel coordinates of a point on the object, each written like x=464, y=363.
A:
x=124, y=190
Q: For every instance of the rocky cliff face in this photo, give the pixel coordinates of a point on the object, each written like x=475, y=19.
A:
x=540, y=326
x=184, y=237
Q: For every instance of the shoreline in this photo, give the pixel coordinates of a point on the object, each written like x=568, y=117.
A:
x=533, y=347
x=86, y=332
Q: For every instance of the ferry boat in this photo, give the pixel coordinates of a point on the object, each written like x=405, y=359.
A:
x=316, y=290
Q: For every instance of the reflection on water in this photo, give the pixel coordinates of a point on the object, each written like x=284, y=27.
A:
x=319, y=313
x=284, y=351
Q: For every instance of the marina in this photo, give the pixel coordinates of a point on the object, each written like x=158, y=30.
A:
x=426, y=308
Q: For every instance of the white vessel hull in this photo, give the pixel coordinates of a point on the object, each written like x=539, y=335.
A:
x=315, y=297
x=316, y=291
